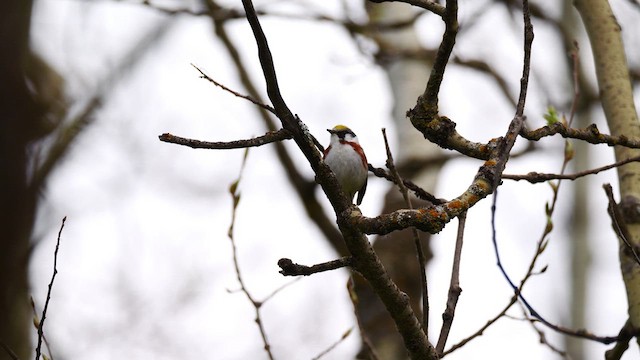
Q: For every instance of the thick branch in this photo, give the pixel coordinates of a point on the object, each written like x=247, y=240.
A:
x=365, y=259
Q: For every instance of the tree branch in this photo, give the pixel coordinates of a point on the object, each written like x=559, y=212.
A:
x=289, y=268
x=235, y=194
x=422, y=261
x=267, y=138
x=46, y=303
x=365, y=259
x=535, y=177
x=590, y=134
x=246, y=97
x=454, y=287
x=417, y=190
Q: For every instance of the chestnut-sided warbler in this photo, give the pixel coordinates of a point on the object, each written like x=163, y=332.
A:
x=347, y=161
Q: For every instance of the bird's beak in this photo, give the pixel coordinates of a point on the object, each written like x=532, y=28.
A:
x=331, y=131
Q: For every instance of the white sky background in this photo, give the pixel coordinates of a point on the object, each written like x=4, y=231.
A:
x=145, y=263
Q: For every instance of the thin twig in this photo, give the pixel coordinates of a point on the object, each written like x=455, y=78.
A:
x=542, y=336
x=289, y=268
x=535, y=177
x=417, y=190
x=542, y=244
x=36, y=324
x=333, y=346
x=480, y=331
x=454, y=287
x=246, y=97
x=277, y=290
x=233, y=189
x=267, y=138
x=422, y=261
x=46, y=302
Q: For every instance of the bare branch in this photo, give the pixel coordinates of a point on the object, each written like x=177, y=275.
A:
x=454, y=287
x=246, y=97
x=267, y=138
x=520, y=110
x=46, y=302
x=36, y=324
x=590, y=134
x=277, y=290
x=429, y=100
x=289, y=268
x=417, y=190
x=535, y=177
x=542, y=336
x=526, y=68
x=233, y=190
x=365, y=259
x=422, y=261
x=333, y=346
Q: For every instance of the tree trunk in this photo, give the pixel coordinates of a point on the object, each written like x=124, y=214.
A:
x=616, y=94
x=19, y=116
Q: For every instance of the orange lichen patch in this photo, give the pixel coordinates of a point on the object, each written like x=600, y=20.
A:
x=433, y=213
x=455, y=205
x=473, y=198
x=490, y=162
x=484, y=149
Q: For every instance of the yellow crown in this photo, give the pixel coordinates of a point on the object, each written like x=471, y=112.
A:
x=340, y=128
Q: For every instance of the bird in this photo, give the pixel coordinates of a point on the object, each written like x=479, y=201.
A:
x=348, y=162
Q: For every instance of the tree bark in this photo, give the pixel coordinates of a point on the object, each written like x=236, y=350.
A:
x=616, y=95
